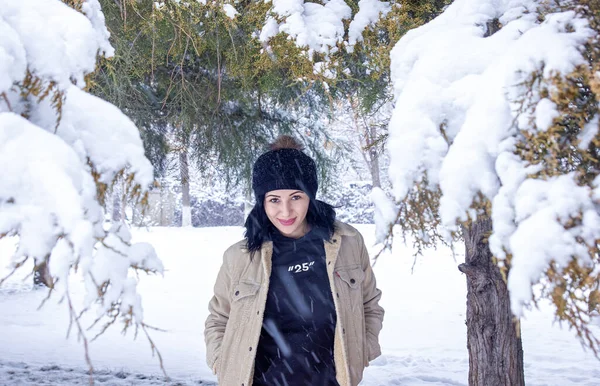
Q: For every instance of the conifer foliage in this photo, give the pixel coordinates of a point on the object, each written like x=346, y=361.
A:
x=195, y=78
x=494, y=137
x=345, y=47
x=60, y=150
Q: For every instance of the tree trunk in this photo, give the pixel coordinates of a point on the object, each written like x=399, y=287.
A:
x=123, y=202
x=116, y=207
x=493, y=334
x=248, y=203
x=186, y=210
x=374, y=156
x=369, y=132
x=167, y=205
x=136, y=215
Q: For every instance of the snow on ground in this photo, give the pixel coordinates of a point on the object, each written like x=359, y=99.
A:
x=423, y=339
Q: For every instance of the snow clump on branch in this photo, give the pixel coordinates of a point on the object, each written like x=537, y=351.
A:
x=318, y=27
x=369, y=13
x=60, y=149
x=460, y=82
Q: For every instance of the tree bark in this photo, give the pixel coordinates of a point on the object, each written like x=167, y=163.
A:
x=493, y=334
x=248, y=206
x=123, y=202
x=41, y=274
x=374, y=157
x=369, y=132
x=116, y=207
x=167, y=205
x=186, y=210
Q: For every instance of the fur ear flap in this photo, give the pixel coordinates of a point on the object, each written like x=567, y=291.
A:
x=286, y=142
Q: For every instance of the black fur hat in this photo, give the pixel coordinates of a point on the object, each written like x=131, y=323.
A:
x=285, y=166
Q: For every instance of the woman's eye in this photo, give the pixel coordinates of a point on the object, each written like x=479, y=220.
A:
x=296, y=197
x=273, y=201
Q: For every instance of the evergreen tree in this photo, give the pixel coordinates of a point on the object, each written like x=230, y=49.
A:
x=363, y=84
x=198, y=82
x=496, y=141
x=352, y=63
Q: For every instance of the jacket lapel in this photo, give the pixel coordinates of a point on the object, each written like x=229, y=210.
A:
x=332, y=249
x=266, y=254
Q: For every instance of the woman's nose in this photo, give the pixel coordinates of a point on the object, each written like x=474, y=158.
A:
x=286, y=209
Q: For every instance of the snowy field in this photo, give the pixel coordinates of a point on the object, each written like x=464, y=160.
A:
x=423, y=339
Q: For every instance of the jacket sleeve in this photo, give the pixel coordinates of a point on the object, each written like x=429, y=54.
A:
x=373, y=311
x=219, y=307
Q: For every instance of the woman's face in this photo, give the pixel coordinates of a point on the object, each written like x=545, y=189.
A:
x=287, y=210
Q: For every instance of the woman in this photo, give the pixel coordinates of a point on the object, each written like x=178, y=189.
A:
x=295, y=302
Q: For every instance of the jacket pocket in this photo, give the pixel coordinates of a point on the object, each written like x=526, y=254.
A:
x=244, y=290
x=350, y=285
x=243, y=296
x=373, y=345
x=352, y=276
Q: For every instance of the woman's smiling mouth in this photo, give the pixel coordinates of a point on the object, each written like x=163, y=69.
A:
x=287, y=222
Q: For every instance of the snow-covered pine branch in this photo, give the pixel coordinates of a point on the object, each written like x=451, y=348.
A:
x=497, y=115
x=320, y=27
x=317, y=27
x=320, y=31
x=60, y=150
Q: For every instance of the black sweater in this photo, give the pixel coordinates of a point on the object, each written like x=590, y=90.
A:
x=296, y=341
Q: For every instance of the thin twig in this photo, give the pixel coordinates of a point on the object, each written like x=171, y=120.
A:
x=81, y=335
x=50, y=290
x=154, y=328
x=17, y=266
x=112, y=248
x=7, y=101
x=105, y=327
x=155, y=349
x=218, y=67
x=187, y=43
x=412, y=269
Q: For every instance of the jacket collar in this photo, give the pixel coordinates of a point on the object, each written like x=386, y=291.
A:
x=343, y=229
x=266, y=253
x=332, y=247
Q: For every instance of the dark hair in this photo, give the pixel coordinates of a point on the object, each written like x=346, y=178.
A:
x=320, y=217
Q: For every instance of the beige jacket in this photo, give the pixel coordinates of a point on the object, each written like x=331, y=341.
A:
x=236, y=310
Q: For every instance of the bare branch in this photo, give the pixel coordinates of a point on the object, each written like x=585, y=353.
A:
x=5, y=97
x=155, y=349
x=17, y=266
x=80, y=335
